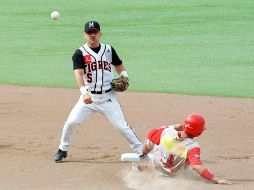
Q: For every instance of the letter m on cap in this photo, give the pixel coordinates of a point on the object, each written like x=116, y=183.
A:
x=91, y=24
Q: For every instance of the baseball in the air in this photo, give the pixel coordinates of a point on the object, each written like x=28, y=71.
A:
x=55, y=15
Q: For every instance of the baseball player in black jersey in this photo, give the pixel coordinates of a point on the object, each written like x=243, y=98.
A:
x=93, y=65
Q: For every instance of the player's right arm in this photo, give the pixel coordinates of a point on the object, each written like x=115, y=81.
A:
x=78, y=68
x=79, y=73
x=199, y=168
x=81, y=84
x=153, y=138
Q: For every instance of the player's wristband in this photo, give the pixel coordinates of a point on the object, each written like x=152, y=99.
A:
x=207, y=174
x=83, y=90
x=123, y=74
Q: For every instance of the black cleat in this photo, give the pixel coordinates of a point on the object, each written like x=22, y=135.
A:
x=60, y=155
x=144, y=158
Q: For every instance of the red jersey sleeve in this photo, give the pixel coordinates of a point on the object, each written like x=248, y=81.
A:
x=194, y=156
x=155, y=135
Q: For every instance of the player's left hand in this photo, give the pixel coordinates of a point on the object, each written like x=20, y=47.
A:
x=224, y=181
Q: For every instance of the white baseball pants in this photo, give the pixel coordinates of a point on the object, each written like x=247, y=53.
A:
x=109, y=107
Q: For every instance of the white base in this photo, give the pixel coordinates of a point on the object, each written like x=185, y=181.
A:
x=132, y=157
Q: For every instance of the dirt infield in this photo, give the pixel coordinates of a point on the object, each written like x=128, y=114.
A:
x=31, y=121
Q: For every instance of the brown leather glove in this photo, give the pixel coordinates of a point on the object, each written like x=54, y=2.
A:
x=120, y=84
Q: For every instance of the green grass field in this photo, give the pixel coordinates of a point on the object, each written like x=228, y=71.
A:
x=187, y=47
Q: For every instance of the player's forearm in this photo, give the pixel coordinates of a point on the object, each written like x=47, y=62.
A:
x=120, y=69
x=79, y=73
x=147, y=147
x=146, y=150
x=205, y=173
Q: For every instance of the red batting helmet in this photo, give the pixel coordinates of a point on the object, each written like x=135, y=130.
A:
x=194, y=124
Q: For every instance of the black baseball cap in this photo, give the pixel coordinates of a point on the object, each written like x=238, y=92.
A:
x=92, y=25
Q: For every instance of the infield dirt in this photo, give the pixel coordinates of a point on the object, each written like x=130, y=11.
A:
x=31, y=121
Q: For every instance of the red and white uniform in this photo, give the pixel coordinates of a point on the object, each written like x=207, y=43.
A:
x=167, y=162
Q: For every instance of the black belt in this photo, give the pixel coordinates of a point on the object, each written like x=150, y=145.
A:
x=101, y=92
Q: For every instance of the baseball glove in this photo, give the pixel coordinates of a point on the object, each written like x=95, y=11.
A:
x=120, y=84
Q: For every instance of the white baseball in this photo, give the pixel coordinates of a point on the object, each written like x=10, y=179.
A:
x=55, y=15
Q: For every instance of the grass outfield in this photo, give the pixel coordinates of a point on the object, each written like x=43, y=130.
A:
x=186, y=47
